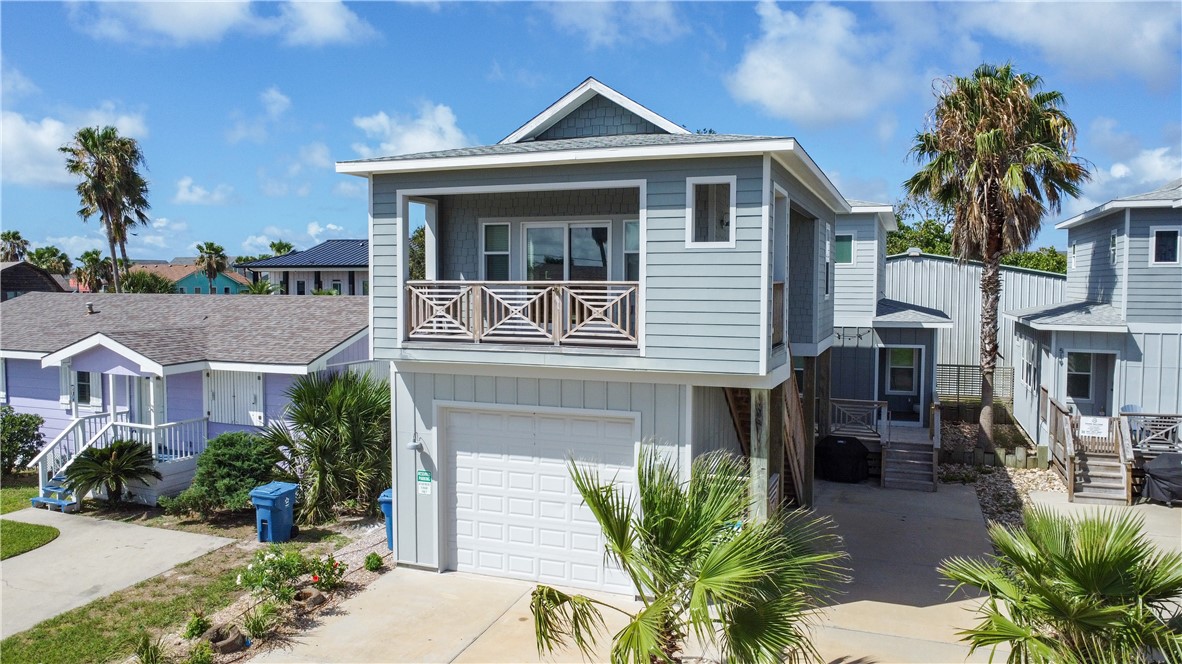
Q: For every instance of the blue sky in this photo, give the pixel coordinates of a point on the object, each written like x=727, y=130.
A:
x=241, y=109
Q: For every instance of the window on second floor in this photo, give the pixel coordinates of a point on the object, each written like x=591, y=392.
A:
x=1112, y=248
x=1073, y=247
x=710, y=211
x=631, y=251
x=1165, y=246
x=843, y=249
x=495, y=247
x=828, y=258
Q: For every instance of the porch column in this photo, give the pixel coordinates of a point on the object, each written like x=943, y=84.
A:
x=778, y=445
x=823, y=380
x=759, y=456
x=153, y=418
x=112, y=402
x=809, y=407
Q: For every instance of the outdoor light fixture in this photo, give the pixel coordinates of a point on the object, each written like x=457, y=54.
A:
x=415, y=444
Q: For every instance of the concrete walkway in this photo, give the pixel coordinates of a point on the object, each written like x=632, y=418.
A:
x=91, y=558
x=1163, y=524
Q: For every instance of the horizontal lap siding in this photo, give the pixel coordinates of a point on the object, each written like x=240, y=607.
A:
x=36, y=391
x=855, y=296
x=662, y=418
x=689, y=292
x=1091, y=275
x=1155, y=292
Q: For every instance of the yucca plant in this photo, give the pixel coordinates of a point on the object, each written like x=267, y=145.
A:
x=700, y=566
x=1086, y=589
x=335, y=442
x=111, y=468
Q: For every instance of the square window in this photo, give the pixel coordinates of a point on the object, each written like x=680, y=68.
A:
x=843, y=249
x=1165, y=246
x=710, y=211
x=496, y=237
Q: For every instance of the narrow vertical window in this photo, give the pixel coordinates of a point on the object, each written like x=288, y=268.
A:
x=631, y=251
x=828, y=257
x=1112, y=248
x=496, y=252
x=1073, y=247
x=301, y=287
x=365, y=286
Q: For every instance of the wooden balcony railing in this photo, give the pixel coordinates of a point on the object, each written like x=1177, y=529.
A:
x=567, y=313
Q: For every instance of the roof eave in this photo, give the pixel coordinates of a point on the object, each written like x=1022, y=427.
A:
x=1112, y=206
x=935, y=325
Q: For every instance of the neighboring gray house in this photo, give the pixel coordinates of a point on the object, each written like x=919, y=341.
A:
x=1116, y=341
x=599, y=278
x=883, y=349
x=336, y=265
x=954, y=287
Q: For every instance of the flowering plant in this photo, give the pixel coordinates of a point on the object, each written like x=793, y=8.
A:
x=326, y=572
x=273, y=572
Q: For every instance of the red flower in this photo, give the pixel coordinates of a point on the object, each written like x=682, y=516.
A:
x=335, y=565
x=315, y=578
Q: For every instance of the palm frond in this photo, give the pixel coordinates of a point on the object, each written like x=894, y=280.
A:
x=560, y=618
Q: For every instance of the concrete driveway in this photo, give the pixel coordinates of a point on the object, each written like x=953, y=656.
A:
x=91, y=558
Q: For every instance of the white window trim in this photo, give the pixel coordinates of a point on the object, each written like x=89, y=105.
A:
x=1091, y=373
x=1073, y=247
x=3, y=379
x=1112, y=248
x=690, y=183
x=853, y=249
x=485, y=253
x=624, y=248
x=915, y=371
x=566, y=227
x=1153, y=230
x=830, y=272
x=95, y=403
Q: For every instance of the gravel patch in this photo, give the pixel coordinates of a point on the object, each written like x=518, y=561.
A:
x=1003, y=492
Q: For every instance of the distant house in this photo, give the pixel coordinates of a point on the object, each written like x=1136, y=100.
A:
x=336, y=265
x=19, y=277
x=170, y=370
x=191, y=279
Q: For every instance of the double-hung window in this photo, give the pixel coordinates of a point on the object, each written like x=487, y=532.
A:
x=1079, y=376
x=1030, y=363
x=710, y=212
x=1164, y=249
x=495, y=252
x=631, y=251
x=902, y=370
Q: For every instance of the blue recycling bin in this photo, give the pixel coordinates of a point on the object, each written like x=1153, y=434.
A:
x=386, y=500
x=274, y=510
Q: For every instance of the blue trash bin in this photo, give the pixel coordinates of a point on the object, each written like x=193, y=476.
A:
x=274, y=510
x=386, y=500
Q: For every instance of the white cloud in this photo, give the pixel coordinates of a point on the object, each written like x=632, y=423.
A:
x=188, y=193
x=349, y=189
x=257, y=244
x=434, y=128
x=257, y=127
x=818, y=66
x=14, y=84
x=30, y=146
x=275, y=102
x=604, y=24
x=314, y=156
x=1088, y=39
x=316, y=231
x=185, y=23
x=76, y=245
x=166, y=224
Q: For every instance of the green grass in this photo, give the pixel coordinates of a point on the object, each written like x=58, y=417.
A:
x=107, y=629
x=16, y=490
x=17, y=538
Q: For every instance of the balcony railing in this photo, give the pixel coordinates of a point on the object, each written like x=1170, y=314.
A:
x=567, y=313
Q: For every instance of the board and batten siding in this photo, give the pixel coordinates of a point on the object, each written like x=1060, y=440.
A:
x=417, y=522
x=713, y=427
x=944, y=283
x=1155, y=291
x=1091, y=275
x=703, y=305
x=855, y=294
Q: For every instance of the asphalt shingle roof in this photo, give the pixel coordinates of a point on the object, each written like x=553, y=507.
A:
x=330, y=253
x=175, y=329
x=1075, y=313
x=586, y=143
x=178, y=272
x=894, y=311
x=1170, y=191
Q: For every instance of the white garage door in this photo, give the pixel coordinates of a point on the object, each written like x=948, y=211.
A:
x=513, y=509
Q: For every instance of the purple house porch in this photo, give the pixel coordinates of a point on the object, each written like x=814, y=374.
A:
x=171, y=371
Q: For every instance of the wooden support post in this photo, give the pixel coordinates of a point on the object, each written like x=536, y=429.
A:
x=823, y=381
x=758, y=458
x=776, y=461
x=804, y=494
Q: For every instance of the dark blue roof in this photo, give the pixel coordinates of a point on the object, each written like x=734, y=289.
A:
x=330, y=253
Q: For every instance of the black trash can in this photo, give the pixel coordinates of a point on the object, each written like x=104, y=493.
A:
x=842, y=459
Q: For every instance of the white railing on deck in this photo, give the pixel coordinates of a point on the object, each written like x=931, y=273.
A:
x=55, y=456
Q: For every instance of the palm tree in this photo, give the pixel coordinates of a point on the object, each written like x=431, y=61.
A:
x=13, y=247
x=93, y=270
x=700, y=565
x=111, y=185
x=51, y=259
x=999, y=153
x=1082, y=589
x=143, y=281
x=263, y=287
x=211, y=259
x=281, y=247
x=335, y=442
x=111, y=468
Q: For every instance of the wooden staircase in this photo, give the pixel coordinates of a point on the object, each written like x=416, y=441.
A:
x=796, y=443
x=908, y=465
x=1099, y=479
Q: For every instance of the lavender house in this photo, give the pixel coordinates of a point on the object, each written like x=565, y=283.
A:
x=169, y=370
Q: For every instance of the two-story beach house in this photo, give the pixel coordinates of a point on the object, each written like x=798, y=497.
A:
x=1115, y=344
x=600, y=279
x=341, y=266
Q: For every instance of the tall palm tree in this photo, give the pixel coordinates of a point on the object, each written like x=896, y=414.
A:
x=1084, y=589
x=211, y=259
x=51, y=259
x=281, y=247
x=93, y=271
x=700, y=565
x=13, y=247
x=111, y=185
x=999, y=152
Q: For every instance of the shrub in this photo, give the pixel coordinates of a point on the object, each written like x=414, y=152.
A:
x=326, y=572
x=196, y=626
x=202, y=653
x=273, y=572
x=232, y=465
x=148, y=651
x=259, y=621
x=20, y=438
x=373, y=562
x=111, y=468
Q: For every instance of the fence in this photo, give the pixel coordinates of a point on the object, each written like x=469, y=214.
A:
x=959, y=390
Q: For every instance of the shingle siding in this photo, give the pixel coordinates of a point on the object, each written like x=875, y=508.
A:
x=599, y=116
x=856, y=289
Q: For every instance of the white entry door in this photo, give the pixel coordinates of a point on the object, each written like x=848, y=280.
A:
x=512, y=508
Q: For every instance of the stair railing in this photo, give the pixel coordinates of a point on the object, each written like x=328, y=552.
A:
x=66, y=445
x=1126, y=458
x=935, y=434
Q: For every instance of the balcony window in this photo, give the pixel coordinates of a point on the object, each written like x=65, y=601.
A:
x=631, y=251
x=1165, y=247
x=710, y=212
x=567, y=252
x=496, y=252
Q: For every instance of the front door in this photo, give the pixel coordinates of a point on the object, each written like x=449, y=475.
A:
x=1090, y=382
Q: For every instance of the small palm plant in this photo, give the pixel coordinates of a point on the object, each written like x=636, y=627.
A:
x=699, y=566
x=111, y=468
x=1087, y=589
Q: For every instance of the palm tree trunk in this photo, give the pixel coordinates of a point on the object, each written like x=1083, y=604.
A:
x=114, y=263
x=210, y=284
x=123, y=254
x=990, y=295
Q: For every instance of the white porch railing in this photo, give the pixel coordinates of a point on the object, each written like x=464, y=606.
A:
x=54, y=457
x=595, y=313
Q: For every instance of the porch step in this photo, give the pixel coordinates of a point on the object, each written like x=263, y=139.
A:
x=909, y=485
x=1090, y=497
x=907, y=466
x=56, y=495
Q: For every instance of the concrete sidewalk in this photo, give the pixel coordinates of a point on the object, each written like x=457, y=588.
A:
x=1163, y=524
x=91, y=558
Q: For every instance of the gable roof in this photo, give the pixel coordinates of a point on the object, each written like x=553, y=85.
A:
x=181, y=329
x=572, y=100
x=885, y=212
x=1168, y=195
x=330, y=253
x=176, y=272
x=1074, y=316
